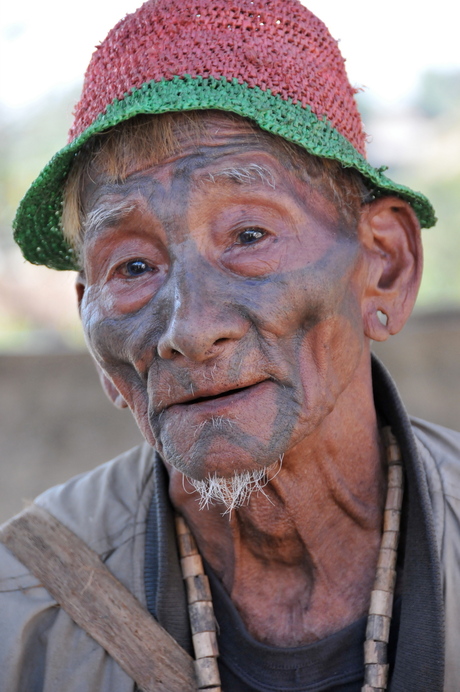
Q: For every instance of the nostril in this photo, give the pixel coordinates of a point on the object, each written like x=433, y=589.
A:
x=199, y=337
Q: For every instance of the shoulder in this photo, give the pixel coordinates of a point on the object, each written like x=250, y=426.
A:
x=439, y=449
x=104, y=505
x=107, y=508
x=108, y=504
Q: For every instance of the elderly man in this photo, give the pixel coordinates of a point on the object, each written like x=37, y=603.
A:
x=236, y=256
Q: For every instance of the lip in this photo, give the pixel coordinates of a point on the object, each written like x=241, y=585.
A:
x=211, y=400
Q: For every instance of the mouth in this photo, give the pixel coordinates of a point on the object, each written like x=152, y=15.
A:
x=221, y=395
x=217, y=398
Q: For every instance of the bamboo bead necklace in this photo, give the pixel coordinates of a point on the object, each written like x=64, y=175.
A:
x=201, y=611
x=381, y=608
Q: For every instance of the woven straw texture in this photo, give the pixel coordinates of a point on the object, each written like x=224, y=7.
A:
x=270, y=60
x=247, y=41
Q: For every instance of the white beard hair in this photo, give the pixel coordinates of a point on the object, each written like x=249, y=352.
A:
x=235, y=491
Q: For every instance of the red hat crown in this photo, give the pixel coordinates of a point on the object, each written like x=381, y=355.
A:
x=276, y=45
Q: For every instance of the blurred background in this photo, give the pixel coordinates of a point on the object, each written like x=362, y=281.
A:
x=54, y=420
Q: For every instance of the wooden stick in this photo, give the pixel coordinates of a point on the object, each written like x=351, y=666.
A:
x=83, y=586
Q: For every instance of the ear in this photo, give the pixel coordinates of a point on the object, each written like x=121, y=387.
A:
x=80, y=286
x=110, y=389
x=390, y=235
x=107, y=384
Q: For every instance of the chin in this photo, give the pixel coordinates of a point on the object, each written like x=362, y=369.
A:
x=218, y=454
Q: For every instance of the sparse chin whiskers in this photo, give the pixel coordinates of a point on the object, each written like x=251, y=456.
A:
x=235, y=491
x=217, y=422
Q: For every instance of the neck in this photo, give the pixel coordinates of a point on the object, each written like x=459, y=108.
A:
x=299, y=559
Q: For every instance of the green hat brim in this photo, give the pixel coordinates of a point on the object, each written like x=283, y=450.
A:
x=38, y=227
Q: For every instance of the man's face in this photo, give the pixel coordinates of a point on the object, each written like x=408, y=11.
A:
x=222, y=298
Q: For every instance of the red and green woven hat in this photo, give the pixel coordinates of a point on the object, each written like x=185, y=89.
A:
x=271, y=61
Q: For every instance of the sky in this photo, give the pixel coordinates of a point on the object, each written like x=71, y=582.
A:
x=45, y=46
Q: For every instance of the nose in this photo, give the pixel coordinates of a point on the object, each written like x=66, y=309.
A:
x=201, y=319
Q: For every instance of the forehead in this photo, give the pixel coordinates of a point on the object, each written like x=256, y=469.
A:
x=166, y=139
x=147, y=141
x=218, y=148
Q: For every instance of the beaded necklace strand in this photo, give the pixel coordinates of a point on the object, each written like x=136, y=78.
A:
x=380, y=611
x=201, y=611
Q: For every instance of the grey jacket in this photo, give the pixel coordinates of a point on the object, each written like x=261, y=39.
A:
x=42, y=650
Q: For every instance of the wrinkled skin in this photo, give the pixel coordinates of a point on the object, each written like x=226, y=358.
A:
x=211, y=313
x=233, y=316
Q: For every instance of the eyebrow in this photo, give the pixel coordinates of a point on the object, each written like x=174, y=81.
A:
x=244, y=175
x=106, y=214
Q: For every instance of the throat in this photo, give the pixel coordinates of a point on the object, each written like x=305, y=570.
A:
x=295, y=594
x=298, y=561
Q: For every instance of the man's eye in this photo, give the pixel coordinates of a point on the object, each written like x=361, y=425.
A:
x=250, y=235
x=135, y=267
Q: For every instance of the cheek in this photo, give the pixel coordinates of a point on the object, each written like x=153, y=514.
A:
x=135, y=395
x=326, y=337
x=115, y=343
x=329, y=355
x=116, y=336
x=291, y=303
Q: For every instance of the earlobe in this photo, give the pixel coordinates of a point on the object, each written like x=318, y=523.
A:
x=111, y=391
x=390, y=236
x=80, y=286
x=375, y=327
